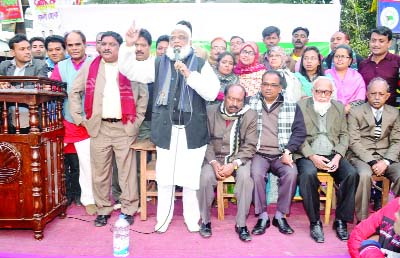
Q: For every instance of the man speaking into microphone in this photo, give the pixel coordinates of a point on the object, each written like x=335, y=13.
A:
x=183, y=82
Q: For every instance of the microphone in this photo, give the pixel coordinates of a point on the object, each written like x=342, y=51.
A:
x=177, y=51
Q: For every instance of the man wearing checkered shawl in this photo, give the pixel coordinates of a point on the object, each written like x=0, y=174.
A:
x=281, y=131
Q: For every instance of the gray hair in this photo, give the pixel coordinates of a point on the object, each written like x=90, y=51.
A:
x=331, y=81
x=378, y=79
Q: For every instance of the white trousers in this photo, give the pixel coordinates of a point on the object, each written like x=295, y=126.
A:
x=85, y=171
x=165, y=205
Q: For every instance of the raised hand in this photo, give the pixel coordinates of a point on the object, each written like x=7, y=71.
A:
x=132, y=35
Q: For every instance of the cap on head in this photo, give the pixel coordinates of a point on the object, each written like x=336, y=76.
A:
x=184, y=29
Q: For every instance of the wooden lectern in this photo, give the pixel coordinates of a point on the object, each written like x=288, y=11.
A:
x=32, y=189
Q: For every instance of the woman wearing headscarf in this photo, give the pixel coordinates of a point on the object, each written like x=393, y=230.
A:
x=350, y=86
x=224, y=72
x=277, y=61
x=248, y=69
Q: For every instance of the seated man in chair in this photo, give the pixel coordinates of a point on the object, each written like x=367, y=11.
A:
x=233, y=139
x=374, y=129
x=281, y=131
x=324, y=150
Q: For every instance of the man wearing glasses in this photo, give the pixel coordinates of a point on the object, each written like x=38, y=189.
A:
x=374, y=129
x=324, y=150
x=218, y=46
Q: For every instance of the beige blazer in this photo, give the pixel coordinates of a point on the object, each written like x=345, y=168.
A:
x=361, y=123
x=336, y=127
x=92, y=125
x=219, y=145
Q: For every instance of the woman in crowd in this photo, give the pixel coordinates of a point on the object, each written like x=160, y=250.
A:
x=350, y=86
x=277, y=61
x=224, y=71
x=310, y=69
x=248, y=69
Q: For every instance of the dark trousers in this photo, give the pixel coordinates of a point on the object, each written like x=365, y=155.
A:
x=71, y=167
x=347, y=178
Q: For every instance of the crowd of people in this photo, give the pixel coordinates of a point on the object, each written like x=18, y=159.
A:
x=235, y=112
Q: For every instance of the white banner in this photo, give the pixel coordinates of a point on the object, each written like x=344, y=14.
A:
x=209, y=20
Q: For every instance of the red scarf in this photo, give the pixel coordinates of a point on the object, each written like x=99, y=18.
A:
x=241, y=68
x=128, y=106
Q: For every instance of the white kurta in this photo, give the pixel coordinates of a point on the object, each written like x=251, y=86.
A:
x=179, y=165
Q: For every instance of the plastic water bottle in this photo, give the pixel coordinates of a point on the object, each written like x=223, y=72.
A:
x=121, y=237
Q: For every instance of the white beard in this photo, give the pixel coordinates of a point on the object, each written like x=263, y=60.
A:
x=185, y=51
x=321, y=107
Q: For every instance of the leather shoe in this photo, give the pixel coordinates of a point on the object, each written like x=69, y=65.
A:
x=205, y=230
x=341, y=229
x=282, y=225
x=128, y=218
x=261, y=226
x=316, y=232
x=243, y=233
x=101, y=220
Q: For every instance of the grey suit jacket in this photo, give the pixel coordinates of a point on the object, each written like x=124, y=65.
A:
x=219, y=145
x=35, y=68
x=361, y=124
x=92, y=125
x=336, y=127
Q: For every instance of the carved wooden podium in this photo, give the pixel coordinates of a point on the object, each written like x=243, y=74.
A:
x=32, y=190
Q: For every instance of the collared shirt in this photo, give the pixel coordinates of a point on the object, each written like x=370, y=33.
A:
x=388, y=69
x=111, y=94
x=322, y=145
x=55, y=75
x=20, y=71
x=374, y=110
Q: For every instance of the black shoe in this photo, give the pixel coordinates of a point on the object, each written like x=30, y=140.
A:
x=243, y=233
x=316, y=232
x=341, y=229
x=261, y=226
x=205, y=230
x=377, y=204
x=101, y=220
x=128, y=218
x=282, y=225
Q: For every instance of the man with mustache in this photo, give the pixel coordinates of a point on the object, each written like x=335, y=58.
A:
x=113, y=109
x=76, y=137
x=233, y=138
x=374, y=129
x=281, y=131
x=299, y=41
x=324, y=150
x=143, y=45
x=183, y=82
x=382, y=63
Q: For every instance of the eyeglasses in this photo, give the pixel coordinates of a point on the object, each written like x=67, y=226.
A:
x=180, y=38
x=341, y=57
x=247, y=53
x=219, y=48
x=323, y=92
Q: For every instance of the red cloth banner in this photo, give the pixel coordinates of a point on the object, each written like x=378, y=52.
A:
x=11, y=11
